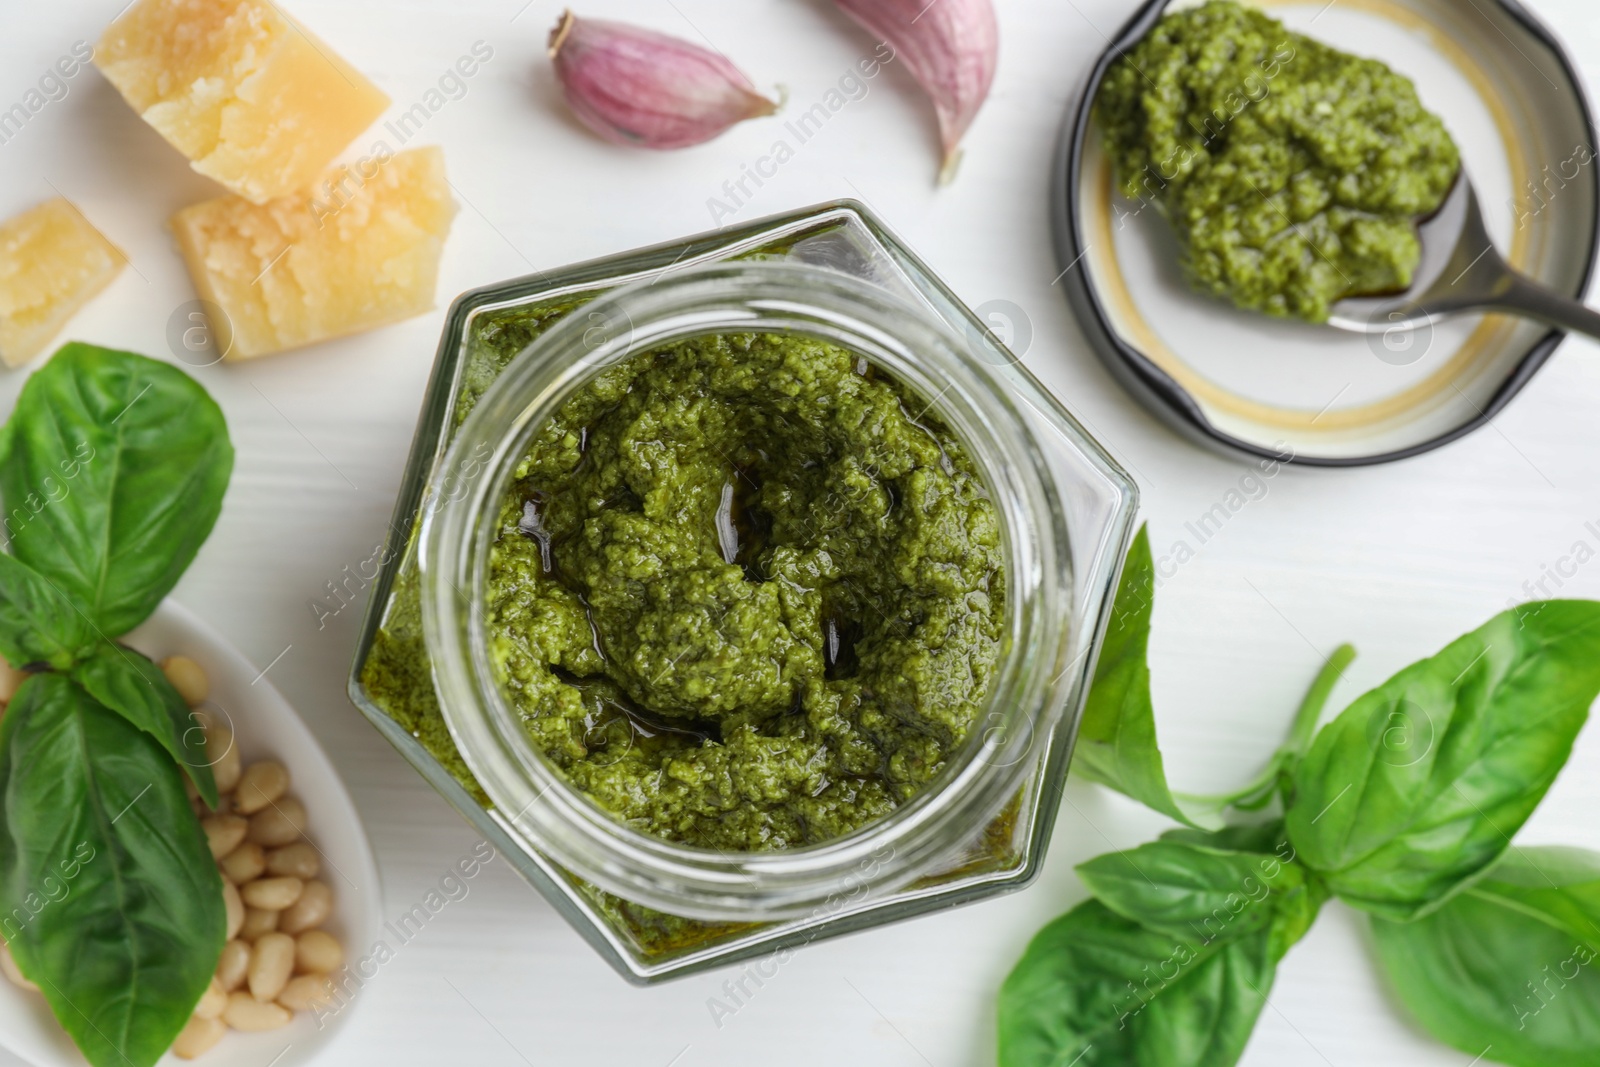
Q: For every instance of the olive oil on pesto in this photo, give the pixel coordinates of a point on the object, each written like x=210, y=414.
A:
x=1293, y=174
x=747, y=592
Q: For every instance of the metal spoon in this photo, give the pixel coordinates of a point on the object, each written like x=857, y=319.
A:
x=1461, y=271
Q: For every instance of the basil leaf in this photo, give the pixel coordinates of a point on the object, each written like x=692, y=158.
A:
x=37, y=623
x=1415, y=788
x=1562, y=884
x=133, y=687
x=1096, y=989
x=1511, y=965
x=112, y=471
x=1188, y=889
x=109, y=896
x=1117, y=731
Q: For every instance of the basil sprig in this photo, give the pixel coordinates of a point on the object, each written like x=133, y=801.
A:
x=1402, y=806
x=112, y=472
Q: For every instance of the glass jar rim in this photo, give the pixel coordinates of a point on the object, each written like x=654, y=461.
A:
x=531, y=795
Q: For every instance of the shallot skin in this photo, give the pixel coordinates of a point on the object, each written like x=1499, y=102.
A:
x=637, y=87
x=952, y=48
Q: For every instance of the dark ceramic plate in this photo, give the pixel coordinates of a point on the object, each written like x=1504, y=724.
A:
x=1258, y=386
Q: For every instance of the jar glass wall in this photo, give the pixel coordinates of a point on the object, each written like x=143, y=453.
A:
x=652, y=907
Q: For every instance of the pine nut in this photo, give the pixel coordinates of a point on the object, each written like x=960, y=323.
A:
x=233, y=966
x=188, y=678
x=310, y=911
x=250, y=1015
x=271, y=965
x=306, y=992
x=317, y=952
x=9, y=964
x=199, y=1037
x=272, y=894
x=245, y=863
x=224, y=833
x=212, y=1001
x=233, y=906
x=226, y=764
x=220, y=750
x=262, y=784
x=280, y=824
x=258, y=921
x=299, y=860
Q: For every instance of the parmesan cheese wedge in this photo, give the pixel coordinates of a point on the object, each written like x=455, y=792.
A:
x=52, y=262
x=361, y=252
x=240, y=88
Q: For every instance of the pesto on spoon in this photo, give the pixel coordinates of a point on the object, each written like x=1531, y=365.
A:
x=1293, y=174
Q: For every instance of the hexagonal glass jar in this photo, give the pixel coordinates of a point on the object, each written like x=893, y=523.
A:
x=652, y=909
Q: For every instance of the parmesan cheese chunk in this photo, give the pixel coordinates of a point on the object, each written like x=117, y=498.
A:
x=362, y=251
x=240, y=88
x=52, y=262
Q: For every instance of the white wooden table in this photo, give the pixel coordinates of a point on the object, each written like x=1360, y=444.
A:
x=1397, y=559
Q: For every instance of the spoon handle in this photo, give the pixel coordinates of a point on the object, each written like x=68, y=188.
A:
x=1523, y=296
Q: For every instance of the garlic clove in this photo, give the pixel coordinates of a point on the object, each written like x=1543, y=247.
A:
x=951, y=47
x=637, y=87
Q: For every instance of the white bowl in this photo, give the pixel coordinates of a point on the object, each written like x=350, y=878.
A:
x=265, y=726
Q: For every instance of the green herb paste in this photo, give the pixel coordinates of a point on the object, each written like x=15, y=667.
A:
x=747, y=592
x=1292, y=173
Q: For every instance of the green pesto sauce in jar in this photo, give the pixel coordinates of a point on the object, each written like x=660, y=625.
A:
x=747, y=592
x=1293, y=174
